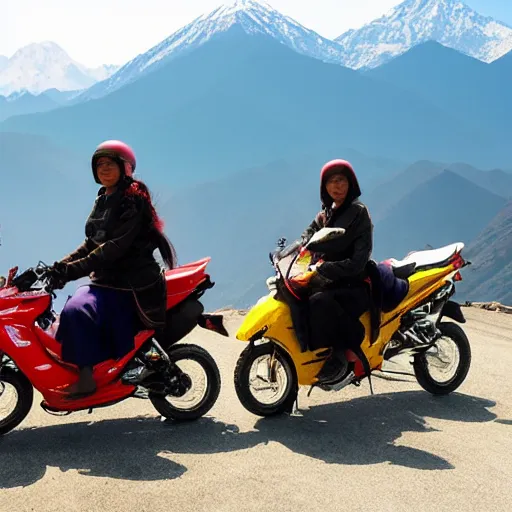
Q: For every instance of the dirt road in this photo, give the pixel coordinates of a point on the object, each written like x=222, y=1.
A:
x=399, y=450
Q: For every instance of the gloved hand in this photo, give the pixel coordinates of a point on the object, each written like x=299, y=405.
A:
x=303, y=279
x=318, y=281
x=58, y=275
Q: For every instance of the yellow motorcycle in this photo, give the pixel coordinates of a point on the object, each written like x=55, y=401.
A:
x=271, y=368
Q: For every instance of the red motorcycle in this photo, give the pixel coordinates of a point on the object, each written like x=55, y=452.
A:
x=30, y=356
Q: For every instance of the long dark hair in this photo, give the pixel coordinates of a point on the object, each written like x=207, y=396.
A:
x=139, y=188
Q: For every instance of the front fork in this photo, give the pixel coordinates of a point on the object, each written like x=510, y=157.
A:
x=272, y=364
x=6, y=361
x=2, y=385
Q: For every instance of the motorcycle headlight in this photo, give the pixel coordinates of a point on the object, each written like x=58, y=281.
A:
x=261, y=300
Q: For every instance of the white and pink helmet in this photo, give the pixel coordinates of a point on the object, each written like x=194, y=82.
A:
x=119, y=151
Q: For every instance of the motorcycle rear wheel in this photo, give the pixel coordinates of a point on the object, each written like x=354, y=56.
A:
x=423, y=368
x=24, y=401
x=171, y=411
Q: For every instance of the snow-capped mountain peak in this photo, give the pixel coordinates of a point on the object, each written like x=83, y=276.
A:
x=237, y=6
x=3, y=62
x=252, y=16
x=235, y=11
x=449, y=22
x=41, y=66
x=46, y=50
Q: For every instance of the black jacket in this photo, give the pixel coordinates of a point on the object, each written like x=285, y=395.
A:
x=347, y=262
x=118, y=253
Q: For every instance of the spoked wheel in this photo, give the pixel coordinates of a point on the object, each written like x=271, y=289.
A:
x=266, y=380
x=200, y=385
x=16, y=397
x=443, y=368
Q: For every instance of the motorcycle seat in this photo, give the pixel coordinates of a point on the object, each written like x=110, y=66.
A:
x=184, y=273
x=432, y=258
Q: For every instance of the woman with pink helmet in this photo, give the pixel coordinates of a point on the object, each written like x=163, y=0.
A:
x=338, y=292
x=127, y=284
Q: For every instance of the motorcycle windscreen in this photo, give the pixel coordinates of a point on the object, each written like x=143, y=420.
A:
x=295, y=264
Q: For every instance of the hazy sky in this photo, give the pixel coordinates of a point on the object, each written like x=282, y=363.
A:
x=96, y=32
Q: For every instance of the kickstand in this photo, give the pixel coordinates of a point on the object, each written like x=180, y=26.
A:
x=370, y=381
x=295, y=408
x=366, y=366
x=311, y=389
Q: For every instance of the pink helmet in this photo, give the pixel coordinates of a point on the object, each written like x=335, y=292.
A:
x=117, y=150
x=333, y=167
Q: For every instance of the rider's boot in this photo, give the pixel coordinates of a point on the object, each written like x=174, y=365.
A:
x=85, y=385
x=334, y=369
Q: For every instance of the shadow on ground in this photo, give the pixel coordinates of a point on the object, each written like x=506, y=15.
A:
x=359, y=431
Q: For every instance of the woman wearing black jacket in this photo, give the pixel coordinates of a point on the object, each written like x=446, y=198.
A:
x=127, y=287
x=339, y=294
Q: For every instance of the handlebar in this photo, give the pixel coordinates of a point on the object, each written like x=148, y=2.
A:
x=290, y=249
x=282, y=251
x=26, y=280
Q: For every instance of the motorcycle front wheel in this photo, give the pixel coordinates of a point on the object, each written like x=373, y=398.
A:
x=265, y=380
x=16, y=398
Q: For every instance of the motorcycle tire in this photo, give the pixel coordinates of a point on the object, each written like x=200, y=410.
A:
x=421, y=367
x=24, y=402
x=198, y=354
x=243, y=385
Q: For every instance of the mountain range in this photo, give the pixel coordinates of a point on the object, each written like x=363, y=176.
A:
x=231, y=132
x=383, y=195
x=249, y=100
x=489, y=277
x=21, y=103
x=448, y=22
x=435, y=213
x=474, y=92
x=38, y=67
x=253, y=17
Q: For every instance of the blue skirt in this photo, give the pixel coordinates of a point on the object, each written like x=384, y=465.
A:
x=97, y=324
